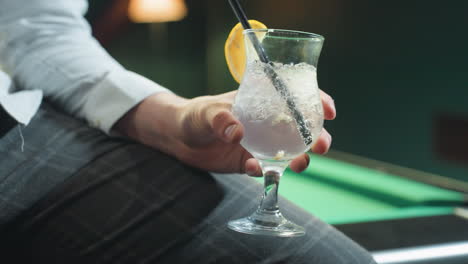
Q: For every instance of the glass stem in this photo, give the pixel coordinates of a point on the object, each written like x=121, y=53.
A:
x=271, y=173
x=270, y=193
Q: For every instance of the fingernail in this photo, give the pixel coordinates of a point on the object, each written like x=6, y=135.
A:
x=229, y=132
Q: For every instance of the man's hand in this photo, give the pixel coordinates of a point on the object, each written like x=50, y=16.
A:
x=203, y=132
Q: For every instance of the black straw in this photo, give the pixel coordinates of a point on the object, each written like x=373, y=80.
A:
x=280, y=86
x=240, y=14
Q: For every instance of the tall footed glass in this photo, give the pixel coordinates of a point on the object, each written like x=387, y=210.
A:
x=279, y=105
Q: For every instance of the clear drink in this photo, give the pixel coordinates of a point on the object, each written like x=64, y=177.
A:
x=270, y=131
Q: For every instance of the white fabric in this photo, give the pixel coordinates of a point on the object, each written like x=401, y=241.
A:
x=21, y=105
x=47, y=48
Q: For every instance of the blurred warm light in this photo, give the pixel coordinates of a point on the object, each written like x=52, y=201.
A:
x=151, y=11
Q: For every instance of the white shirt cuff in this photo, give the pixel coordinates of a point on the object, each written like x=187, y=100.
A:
x=114, y=96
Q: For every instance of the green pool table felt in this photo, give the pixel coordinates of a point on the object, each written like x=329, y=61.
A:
x=340, y=192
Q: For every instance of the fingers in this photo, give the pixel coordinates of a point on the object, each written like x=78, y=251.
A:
x=329, y=109
x=229, y=95
x=300, y=163
x=217, y=116
x=321, y=146
x=323, y=143
x=252, y=168
x=225, y=125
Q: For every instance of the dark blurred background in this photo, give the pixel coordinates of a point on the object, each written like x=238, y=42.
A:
x=398, y=70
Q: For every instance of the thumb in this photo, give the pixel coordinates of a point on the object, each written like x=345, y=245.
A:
x=224, y=125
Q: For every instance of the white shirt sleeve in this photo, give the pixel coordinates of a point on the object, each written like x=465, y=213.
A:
x=47, y=45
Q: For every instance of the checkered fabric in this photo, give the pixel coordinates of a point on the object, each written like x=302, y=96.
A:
x=77, y=196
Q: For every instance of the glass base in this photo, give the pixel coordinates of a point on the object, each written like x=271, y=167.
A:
x=268, y=224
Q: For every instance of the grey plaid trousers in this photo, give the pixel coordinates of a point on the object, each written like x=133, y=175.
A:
x=75, y=195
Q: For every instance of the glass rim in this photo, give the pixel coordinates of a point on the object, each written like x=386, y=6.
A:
x=292, y=33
